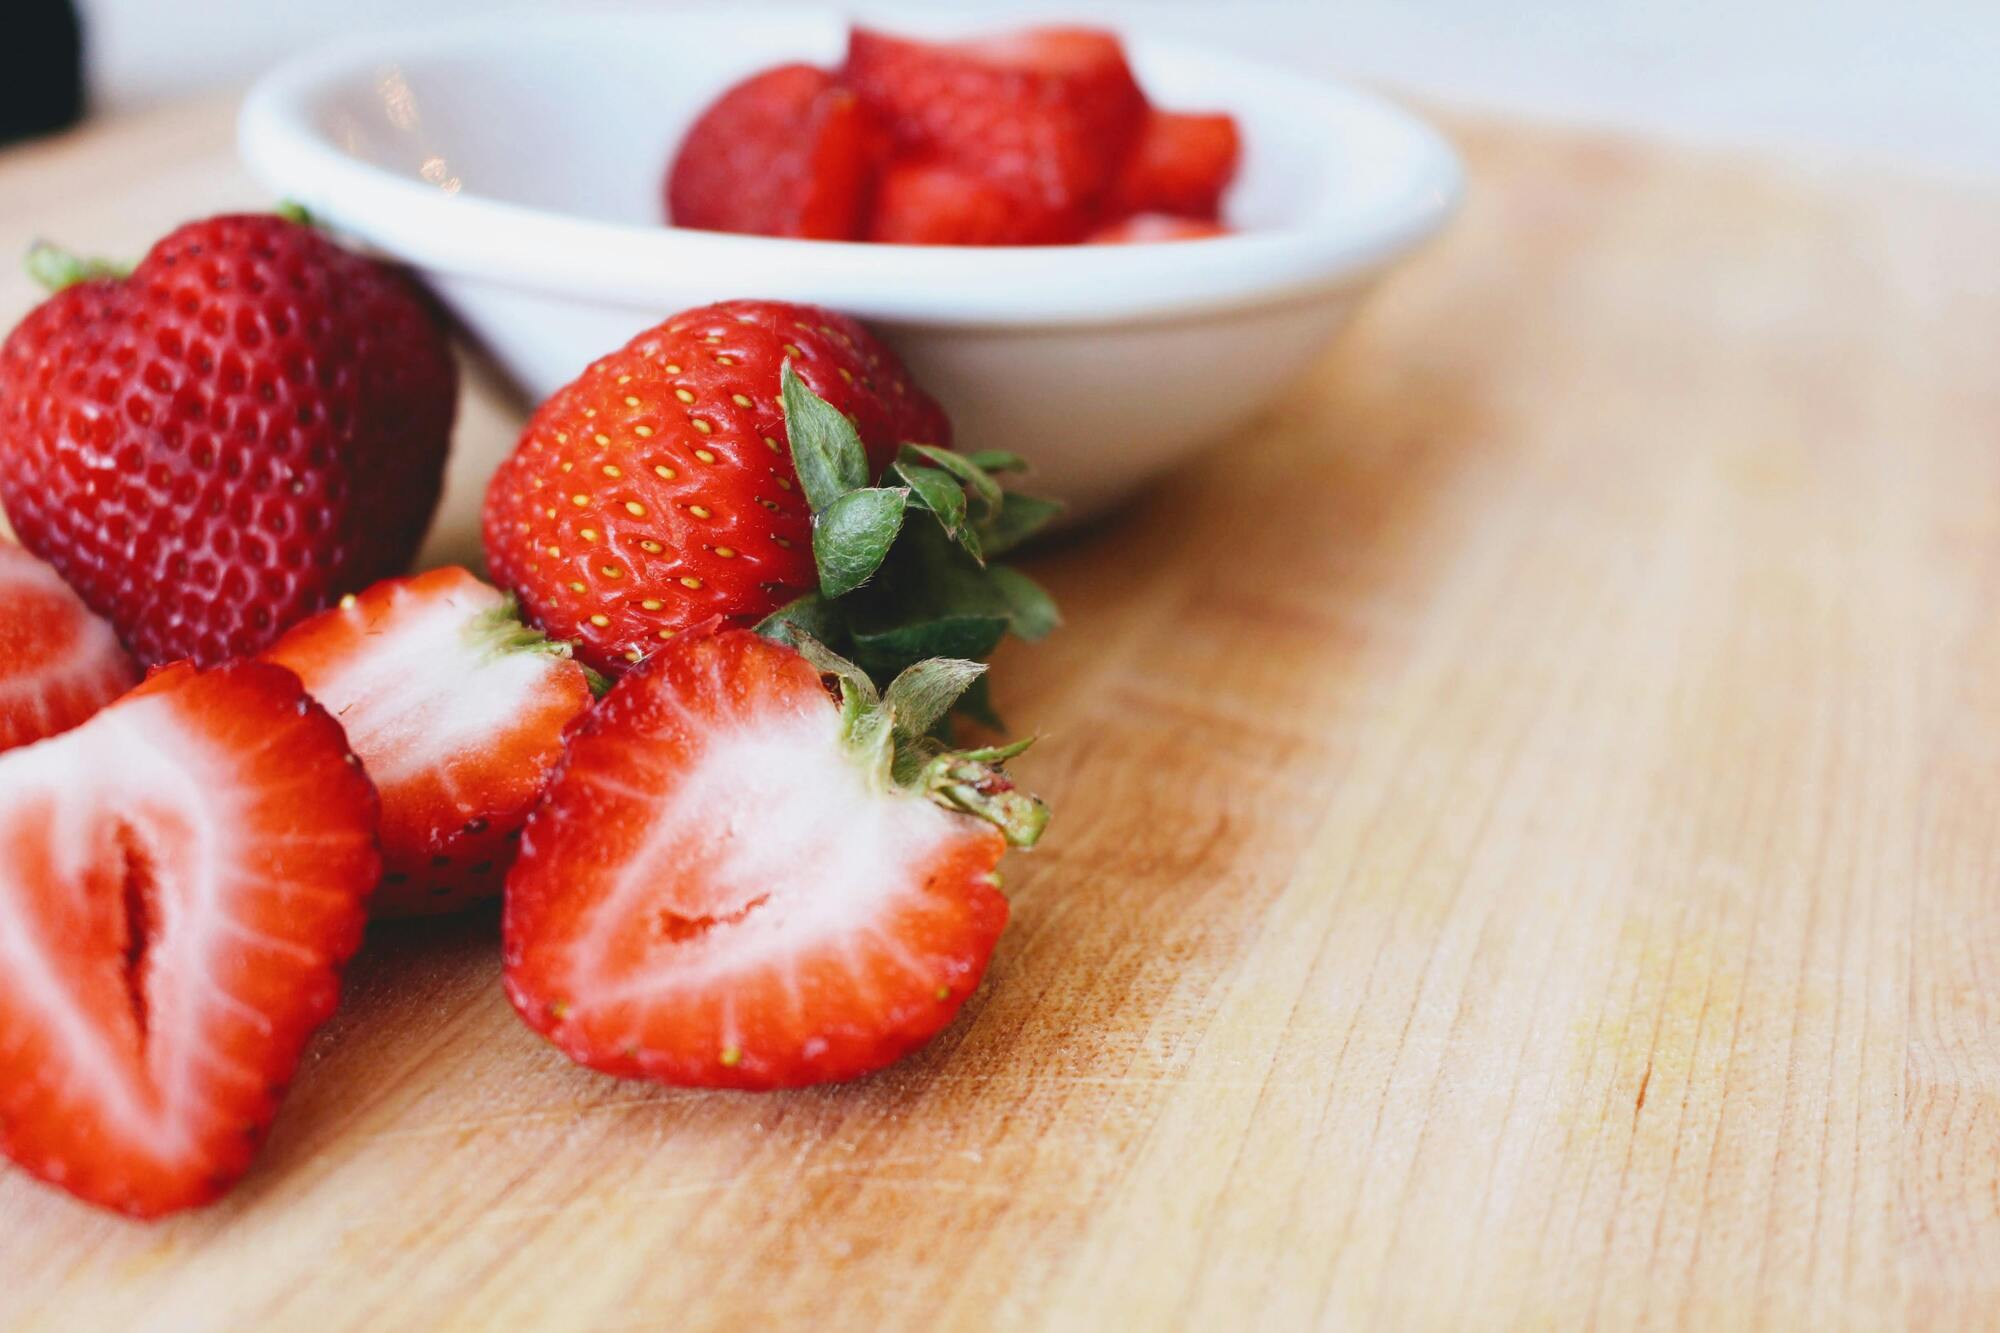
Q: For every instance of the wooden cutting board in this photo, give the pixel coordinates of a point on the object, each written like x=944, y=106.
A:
x=1527, y=852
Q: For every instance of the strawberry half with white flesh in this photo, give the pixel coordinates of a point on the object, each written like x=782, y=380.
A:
x=735, y=881
x=457, y=710
x=181, y=878
x=59, y=663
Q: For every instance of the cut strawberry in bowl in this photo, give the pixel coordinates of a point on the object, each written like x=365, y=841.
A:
x=1045, y=114
x=186, y=872
x=1180, y=164
x=457, y=711
x=1102, y=365
x=59, y=663
x=788, y=152
x=735, y=881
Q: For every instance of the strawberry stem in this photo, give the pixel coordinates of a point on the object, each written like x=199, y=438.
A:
x=56, y=268
x=958, y=781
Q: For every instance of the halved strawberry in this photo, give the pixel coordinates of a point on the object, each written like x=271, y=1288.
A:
x=1046, y=114
x=1143, y=228
x=457, y=711
x=59, y=663
x=735, y=882
x=787, y=152
x=184, y=875
x=1180, y=164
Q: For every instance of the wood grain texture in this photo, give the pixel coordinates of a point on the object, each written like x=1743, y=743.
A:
x=1525, y=856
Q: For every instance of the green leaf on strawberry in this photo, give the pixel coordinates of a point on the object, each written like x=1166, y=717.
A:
x=977, y=704
x=893, y=594
x=1019, y=518
x=852, y=536
x=985, y=491
x=54, y=268
x=813, y=615
x=894, y=648
x=938, y=491
x=826, y=449
x=997, y=460
x=922, y=693
x=1031, y=612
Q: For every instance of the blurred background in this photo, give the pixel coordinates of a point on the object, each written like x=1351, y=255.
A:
x=1911, y=82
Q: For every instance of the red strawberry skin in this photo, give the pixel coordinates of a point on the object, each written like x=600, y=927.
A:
x=187, y=871
x=459, y=728
x=929, y=203
x=656, y=490
x=787, y=152
x=58, y=662
x=711, y=895
x=1180, y=164
x=1045, y=115
x=250, y=425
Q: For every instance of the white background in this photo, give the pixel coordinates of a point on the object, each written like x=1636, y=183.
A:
x=1916, y=82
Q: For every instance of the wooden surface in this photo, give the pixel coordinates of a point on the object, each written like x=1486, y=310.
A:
x=1528, y=853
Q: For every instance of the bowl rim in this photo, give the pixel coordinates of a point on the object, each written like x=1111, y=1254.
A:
x=467, y=236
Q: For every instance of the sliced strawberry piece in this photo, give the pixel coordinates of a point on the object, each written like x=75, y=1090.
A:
x=787, y=152
x=929, y=203
x=183, y=876
x=59, y=663
x=1046, y=114
x=1180, y=164
x=1146, y=227
x=457, y=711
x=724, y=888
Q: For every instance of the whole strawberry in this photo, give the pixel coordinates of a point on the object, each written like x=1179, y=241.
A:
x=252, y=423
x=657, y=490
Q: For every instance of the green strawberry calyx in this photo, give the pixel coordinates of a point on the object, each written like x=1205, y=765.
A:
x=499, y=629
x=896, y=591
x=889, y=733
x=55, y=268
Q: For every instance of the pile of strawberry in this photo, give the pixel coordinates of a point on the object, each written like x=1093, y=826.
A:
x=1040, y=137
x=700, y=742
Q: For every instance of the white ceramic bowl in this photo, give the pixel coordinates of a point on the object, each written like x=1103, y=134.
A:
x=516, y=164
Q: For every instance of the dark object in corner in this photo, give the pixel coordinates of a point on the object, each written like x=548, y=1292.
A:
x=41, y=69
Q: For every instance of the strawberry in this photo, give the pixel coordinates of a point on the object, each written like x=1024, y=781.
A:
x=58, y=662
x=657, y=490
x=787, y=152
x=1180, y=164
x=1045, y=115
x=928, y=203
x=735, y=882
x=252, y=423
x=457, y=711
x=186, y=872
x=1141, y=228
